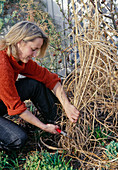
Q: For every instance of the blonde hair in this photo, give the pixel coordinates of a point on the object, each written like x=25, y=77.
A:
x=26, y=31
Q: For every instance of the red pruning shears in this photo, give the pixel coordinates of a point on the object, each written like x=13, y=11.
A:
x=62, y=132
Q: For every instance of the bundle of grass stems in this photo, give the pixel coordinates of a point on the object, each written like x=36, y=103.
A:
x=93, y=89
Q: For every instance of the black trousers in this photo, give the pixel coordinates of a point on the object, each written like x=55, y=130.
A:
x=13, y=136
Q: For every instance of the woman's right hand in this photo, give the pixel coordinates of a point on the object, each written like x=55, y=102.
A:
x=29, y=117
x=51, y=128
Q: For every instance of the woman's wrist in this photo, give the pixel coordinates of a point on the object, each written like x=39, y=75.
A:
x=65, y=103
x=43, y=126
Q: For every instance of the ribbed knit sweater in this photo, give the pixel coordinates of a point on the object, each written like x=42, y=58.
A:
x=9, y=70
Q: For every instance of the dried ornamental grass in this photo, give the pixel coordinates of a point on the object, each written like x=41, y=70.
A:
x=93, y=88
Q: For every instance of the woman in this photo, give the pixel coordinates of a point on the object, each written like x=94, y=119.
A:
x=19, y=45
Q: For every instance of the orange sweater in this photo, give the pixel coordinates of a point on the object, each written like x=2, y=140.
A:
x=9, y=70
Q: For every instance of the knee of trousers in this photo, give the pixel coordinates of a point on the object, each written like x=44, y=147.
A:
x=15, y=142
x=35, y=87
x=34, y=83
x=20, y=140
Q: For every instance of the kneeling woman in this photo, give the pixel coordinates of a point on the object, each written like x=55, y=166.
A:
x=17, y=48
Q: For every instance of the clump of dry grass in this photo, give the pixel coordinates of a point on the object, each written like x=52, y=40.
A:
x=93, y=88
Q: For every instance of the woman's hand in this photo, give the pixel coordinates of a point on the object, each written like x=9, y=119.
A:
x=29, y=117
x=71, y=112
x=51, y=128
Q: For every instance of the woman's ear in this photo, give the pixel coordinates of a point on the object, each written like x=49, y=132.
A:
x=20, y=43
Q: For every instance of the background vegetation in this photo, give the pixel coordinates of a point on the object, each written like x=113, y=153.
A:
x=88, y=48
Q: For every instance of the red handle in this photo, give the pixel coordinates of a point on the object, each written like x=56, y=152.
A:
x=58, y=130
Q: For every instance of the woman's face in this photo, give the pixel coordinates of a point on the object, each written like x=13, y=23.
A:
x=27, y=50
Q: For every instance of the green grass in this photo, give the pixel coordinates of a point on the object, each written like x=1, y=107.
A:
x=34, y=160
x=10, y=161
x=46, y=161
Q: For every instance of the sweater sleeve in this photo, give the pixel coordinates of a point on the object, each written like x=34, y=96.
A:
x=8, y=91
x=33, y=70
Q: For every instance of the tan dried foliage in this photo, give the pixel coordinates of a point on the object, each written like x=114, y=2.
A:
x=93, y=88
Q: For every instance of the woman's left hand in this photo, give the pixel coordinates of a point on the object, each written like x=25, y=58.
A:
x=71, y=112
